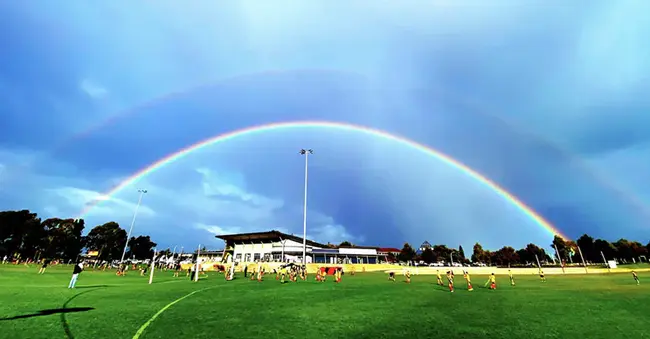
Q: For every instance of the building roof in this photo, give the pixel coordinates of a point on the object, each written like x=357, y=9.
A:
x=389, y=249
x=325, y=251
x=362, y=247
x=268, y=236
x=212, y=252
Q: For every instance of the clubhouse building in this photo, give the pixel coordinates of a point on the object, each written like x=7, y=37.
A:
x=275, y=246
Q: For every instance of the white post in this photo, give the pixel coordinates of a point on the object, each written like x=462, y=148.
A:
x=559, y=258
x=451, y=257
x=283, y=241
x=153, y=266
x=538, y=264
x=196, y=274
x=174, y=252
x=609, y=269
x=135, y=214
x=304, y=210
x=583, y=259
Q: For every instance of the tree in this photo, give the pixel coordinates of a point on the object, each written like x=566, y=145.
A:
x=461, y=254
x=586, y=244
x=428, y=256
x=64, y=239
x=561, y=246
x=506, y=256
x=531, y=253
x=141, y=247
x=638, y=249
x=606, y=248
x=108, y=239
x=345, y=244
x=407, y=253
x=623, y=249
x=15, y=229
x=478, y=254
x=441, y=252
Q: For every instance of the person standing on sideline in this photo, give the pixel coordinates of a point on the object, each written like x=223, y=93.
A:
x=75, y=274
x=44, y=266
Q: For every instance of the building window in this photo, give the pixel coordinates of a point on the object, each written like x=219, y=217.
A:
x=277, y=257
x=267, y=257
x=247, y=257
x=238, y=257
x=256, y=257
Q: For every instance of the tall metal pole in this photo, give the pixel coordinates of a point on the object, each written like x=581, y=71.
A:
x=153, y=266
x=583, y=259
x=559, y=258
x=135, y=214
x=609, y=269
x=198, y=253
x=306, y=153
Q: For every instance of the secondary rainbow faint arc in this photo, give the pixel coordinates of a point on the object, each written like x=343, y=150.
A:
x=528, y=211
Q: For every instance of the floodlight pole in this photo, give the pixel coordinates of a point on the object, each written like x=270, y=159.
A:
x=306, y=153
x=135, y=214
x=153, y=266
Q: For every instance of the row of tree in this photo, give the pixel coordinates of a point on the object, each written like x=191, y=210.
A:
x=593, y=250
x=24, y=235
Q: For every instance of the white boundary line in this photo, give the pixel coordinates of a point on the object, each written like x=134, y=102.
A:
x=148, y=322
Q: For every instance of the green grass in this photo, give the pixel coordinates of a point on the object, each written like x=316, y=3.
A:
x=363, y=306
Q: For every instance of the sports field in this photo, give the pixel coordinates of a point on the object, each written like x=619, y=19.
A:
x=362, y=306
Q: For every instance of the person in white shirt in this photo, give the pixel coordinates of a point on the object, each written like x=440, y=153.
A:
x=78, y=268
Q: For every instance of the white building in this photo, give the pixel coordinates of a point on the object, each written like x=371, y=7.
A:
x=275, y=246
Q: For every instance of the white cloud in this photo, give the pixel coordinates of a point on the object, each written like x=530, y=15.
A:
x=109, y=206
x=92, y=89
x=189, y=211
x=324, y=228
x=219, y=230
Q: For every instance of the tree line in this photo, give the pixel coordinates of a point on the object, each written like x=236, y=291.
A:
x=23, y=235
x=593, y=250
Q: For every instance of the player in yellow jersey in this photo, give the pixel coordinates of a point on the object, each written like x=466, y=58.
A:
x=512, y=279
x=450, y=279
x=492, y=281
x=439, y=278
x=283, y=275
x=253, y=274
x=636, y=277
x=542, y=277
x=318, y=274
x=408, y=276
x=468, y=280
x=323, y=275
x=339, y=273
x=260, y=273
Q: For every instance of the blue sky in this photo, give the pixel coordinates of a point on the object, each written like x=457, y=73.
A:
x=550, y=101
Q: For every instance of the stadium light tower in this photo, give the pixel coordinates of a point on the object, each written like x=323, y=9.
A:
x=306, y=153
x=135, y=214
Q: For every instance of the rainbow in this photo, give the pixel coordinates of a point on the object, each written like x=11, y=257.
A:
x=529, y=212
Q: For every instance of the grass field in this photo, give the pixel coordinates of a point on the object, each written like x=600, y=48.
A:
x=363, y=306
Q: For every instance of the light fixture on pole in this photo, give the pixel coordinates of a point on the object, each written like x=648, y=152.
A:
x=135, y=214
x=306, y=153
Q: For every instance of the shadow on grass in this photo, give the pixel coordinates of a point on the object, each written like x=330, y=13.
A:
x=91, y=286
x=49, y=312
x=64, y=321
